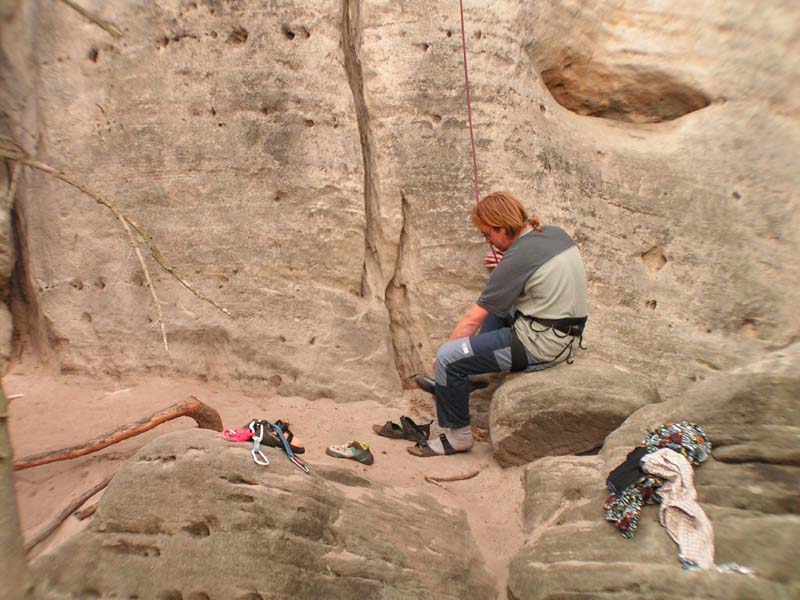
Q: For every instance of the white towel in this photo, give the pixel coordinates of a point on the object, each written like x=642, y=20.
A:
x=680, y=513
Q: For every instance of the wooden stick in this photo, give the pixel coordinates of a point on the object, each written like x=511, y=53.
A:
x=45, y=532
x=106, y=26
x=434, y=482
x=205, y=417
x=85, y=513
x=148, y=280
x=453, y=477
x=10, y=149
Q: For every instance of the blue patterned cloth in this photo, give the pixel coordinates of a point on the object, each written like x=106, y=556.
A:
x=688, y=439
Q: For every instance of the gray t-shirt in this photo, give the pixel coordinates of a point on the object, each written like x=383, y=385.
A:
x=540, y=275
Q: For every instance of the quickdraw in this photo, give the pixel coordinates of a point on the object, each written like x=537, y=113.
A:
x=287, y=447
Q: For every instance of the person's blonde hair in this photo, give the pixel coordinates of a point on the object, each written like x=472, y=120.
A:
x=503, y=210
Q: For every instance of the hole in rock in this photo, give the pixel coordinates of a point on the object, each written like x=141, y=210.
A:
x=630, y=93
x=238, y=35
x=93, y=55
x=654, y=259
x=197, y=529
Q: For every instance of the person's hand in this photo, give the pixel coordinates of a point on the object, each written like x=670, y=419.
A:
x=492, y=258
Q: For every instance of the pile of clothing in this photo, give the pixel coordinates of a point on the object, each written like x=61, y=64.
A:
x=660, y=470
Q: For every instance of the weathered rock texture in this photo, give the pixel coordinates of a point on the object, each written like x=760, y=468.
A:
x=567, y=409
x=307, y=165
x=273, y=532
x=749, y=489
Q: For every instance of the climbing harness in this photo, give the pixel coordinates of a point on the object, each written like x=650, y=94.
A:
x=568, y=327
x=257, y=427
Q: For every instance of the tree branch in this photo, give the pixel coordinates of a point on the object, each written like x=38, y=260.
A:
x=101, y=23
x=9, y=149
x=46, y=531
x=205, y=417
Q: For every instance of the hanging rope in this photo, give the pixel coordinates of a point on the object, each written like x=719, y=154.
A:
x=469, y=119
x=469, y=108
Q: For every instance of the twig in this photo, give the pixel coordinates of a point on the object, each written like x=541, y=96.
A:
x=85, y=513
x=434, y=482
x=44, y=533
x=148, y=279
x=12, y=185
x=102, y=23
x=454, y=477
x=205, y=417
x=11, y=150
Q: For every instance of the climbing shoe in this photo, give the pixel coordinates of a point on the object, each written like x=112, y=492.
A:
x=353, y=450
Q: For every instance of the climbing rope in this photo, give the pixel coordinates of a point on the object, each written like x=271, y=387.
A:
x=469, y=107
x=469, y=118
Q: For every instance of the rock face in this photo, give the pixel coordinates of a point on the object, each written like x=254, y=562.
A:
x=271, y=532
x=567, y=409
x=307, y=165
x=749, y=490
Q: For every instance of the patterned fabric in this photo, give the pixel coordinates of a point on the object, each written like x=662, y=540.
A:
x=624, y=510
x=685, y=438
x=688, y=439
x=680, y=514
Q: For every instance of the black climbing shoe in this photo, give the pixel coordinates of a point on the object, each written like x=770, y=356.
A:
x=427, y=384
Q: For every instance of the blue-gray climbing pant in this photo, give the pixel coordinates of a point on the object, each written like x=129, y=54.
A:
x=487, y=352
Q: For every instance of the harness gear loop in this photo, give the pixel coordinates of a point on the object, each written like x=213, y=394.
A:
x=571, y=327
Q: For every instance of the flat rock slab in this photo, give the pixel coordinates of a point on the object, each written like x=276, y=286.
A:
x=193, y=517
x=568, y=409
x=748, y=489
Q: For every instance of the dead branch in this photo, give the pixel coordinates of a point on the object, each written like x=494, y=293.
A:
x=454, y=477
x=101, y=23
x=434, y=482
x=46, y=531
x=205, y=417
x=87, y=512
x=11, y=150
x=148, y=280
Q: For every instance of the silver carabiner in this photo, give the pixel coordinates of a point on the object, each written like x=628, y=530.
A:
x=258, y=455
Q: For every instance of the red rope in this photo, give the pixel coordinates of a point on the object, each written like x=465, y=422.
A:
x=469, y=108
x=469, y=118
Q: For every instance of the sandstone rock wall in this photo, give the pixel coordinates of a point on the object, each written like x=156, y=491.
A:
x=307, y=165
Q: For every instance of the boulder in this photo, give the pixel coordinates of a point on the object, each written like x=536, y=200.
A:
x=567, y=409
x=748, y=488
x=192, y=516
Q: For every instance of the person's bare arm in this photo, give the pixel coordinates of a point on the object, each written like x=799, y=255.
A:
x=470, y=323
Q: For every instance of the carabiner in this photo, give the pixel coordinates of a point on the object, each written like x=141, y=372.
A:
x=256, y=451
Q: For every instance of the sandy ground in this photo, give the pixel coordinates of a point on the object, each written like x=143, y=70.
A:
x=49, y=412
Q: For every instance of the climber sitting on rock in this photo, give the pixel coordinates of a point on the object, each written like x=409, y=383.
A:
x=528, y=317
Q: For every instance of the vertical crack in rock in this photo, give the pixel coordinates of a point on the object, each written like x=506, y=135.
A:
x=394, y=293
x=372, y=282
x=403, y=326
